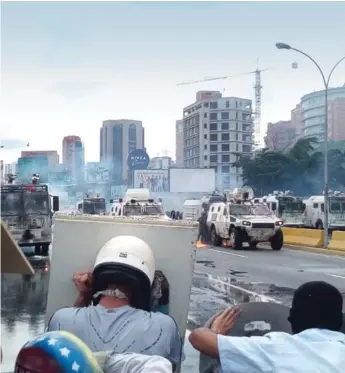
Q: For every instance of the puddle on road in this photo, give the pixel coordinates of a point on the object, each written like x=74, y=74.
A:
x=23, y=307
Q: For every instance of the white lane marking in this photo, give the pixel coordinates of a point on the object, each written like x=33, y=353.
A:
x=338, y=276
x=223, y=252
x=253, y=293
x=301, y=252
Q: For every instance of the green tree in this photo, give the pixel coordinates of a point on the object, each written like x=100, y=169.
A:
x=299, y=170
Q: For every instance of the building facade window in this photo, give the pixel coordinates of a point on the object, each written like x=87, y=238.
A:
x=225, y=137
x=132, y=138
x=214, y=105
x=117, y=153
x=225, y=158
x=225, y=115
x=213, y=116
x=225, y=126
x=213, y=148
x=213, y=126
x=214, y=137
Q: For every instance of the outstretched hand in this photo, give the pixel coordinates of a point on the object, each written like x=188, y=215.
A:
x=225, y=321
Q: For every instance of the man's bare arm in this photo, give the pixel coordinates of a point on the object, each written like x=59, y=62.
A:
x=205, y=341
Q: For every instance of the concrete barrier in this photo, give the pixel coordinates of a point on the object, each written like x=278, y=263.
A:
x=337, y=241
x=303, y=237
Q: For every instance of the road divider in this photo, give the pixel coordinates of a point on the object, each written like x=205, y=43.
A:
x=337, y=241
x=303, y=237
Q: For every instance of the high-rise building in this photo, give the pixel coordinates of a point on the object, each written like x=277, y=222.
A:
x=117, y=139
x=281, y=136
x=52, y=155
x=313, y=114
x=214, y=128
x=73, y=156
x=179, y=143
x=160, y=163
x=297, y=119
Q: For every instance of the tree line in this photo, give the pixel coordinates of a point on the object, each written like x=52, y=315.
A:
x=300, y=169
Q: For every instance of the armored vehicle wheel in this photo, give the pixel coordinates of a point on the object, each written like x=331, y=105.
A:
x=236, y=240
x=277, y=240
x=215, y=239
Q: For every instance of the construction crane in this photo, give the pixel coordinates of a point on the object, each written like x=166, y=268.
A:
x=257, y=90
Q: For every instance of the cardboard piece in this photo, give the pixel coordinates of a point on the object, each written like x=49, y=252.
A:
x=13, y=259
x=78, y=239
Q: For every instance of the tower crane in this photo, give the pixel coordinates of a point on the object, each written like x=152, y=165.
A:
x=257, y=90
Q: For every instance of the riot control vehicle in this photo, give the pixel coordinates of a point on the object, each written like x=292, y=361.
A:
x=92, y=205
x=138, y=204
x=239, y=220
x=287, y=207
x=28, y=211
x=314, y=216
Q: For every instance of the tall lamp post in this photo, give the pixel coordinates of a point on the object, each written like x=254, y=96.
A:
x=326, y=85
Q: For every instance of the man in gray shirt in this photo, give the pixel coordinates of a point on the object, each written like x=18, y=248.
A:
x=113, y=324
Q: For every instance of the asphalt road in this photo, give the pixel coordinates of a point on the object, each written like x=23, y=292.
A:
x=224, y=277
x=266, y=274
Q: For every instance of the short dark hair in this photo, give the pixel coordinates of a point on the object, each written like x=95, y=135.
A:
x=316, y=304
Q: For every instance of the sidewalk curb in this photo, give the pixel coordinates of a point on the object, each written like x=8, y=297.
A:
x=317, y=250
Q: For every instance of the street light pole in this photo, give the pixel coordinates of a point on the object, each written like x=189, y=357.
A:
x=326, y=86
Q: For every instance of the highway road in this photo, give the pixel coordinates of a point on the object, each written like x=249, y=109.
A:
x=231, y=277
x=224, y=277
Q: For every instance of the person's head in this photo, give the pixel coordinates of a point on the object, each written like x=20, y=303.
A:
x=316, y=304
x=124, y=271
x=56, y=352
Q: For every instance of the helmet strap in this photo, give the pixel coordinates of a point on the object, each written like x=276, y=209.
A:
x=116, y=293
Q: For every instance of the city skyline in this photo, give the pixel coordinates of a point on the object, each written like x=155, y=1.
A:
x=69, y=86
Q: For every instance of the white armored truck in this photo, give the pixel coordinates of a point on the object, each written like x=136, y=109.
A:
x=239, y=220
x=315, y=211
x=290, y=209
x=137, y=203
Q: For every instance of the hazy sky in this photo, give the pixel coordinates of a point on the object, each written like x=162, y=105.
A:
x=66, y=66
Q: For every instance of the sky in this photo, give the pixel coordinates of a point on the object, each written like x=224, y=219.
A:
x=67, y=66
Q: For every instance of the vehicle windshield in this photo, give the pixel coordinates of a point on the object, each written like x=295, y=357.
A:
x=36, y=202
x=260, y=210
x=129, y=210
x=11, y=203
x=292, y=207
x=153, y=210
x=94, y=206
x=337, y=206
x=240, y=210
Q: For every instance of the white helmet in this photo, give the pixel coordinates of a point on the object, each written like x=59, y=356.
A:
x=126, y=260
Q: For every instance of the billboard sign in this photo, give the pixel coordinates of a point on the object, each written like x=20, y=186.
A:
x=154, y=180
x=192, y=180
x=138, y=159
x=97, y=172
x=117, y=191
